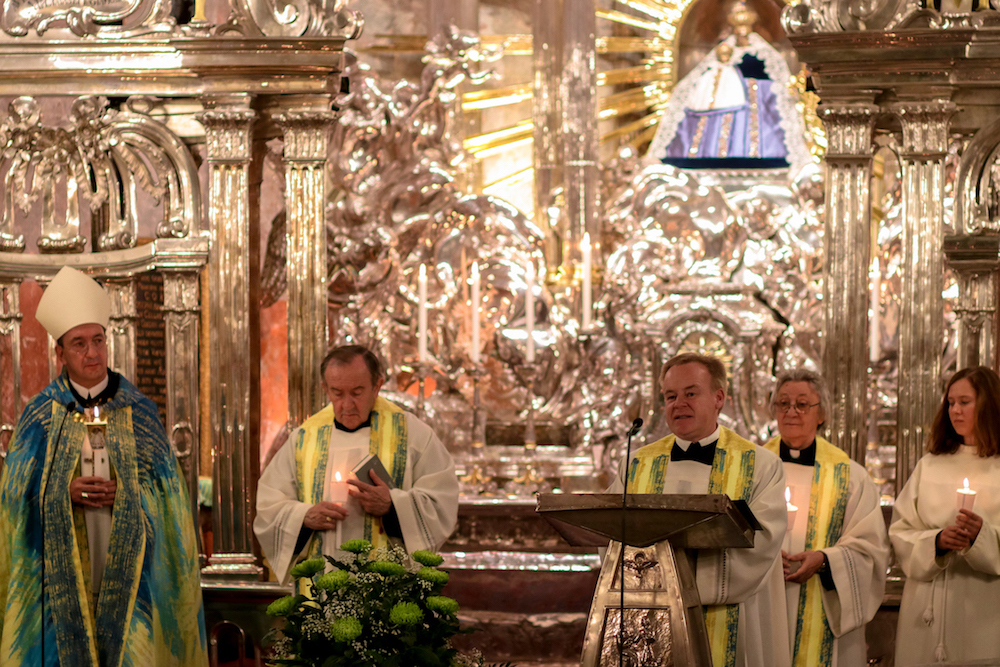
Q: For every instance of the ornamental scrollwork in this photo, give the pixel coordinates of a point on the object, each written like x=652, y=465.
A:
x=98, y=161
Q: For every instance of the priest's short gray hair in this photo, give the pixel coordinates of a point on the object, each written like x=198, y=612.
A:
x=804, y=375
x=345, y=354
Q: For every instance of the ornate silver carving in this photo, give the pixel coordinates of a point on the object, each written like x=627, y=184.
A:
x=82, y=17
x=121, y=327
x=100, y=157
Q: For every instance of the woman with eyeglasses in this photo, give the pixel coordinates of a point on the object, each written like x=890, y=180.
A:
x=948, y=541
x=836, y=550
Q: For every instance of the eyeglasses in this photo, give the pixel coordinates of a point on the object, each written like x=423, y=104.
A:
x=81, y=347
x=800, y=407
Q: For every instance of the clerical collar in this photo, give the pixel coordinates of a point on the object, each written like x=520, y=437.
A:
x=704, y=442
x=100, y=393
x=805, y=457
x=365, y=424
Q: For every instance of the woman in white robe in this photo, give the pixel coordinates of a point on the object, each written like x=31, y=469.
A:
x=951, y=557
x=836, y=552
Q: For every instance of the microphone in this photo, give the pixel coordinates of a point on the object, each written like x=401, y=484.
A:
x=634, y=429
x=70, y=407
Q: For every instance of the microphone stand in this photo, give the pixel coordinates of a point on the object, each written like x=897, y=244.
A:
x=70, y=407
x=636, y=425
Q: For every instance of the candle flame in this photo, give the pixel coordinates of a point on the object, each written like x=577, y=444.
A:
x=586, y=241
x=475, y=270
x=788, y=495
x=336, y=476
x=97, y=413
x=966, y=483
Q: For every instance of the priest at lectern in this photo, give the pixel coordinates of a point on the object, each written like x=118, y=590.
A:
x=742, y=590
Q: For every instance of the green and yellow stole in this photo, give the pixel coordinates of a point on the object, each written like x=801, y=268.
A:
x=827, y=506
x=732, y=474
x=312, y=449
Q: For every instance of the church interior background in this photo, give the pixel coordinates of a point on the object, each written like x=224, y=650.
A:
x=254, y=181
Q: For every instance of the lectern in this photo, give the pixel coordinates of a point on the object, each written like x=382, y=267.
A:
x=663, y=621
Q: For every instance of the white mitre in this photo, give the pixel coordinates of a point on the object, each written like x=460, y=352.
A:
x=71, y=299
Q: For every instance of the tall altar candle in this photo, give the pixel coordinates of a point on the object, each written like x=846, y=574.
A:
x=422, y=315
x=874, y=333
x=475, y=313
x=587, y=268
x=529, y=307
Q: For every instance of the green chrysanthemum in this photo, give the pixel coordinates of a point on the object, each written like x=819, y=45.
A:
x=308, y=568
x=356, y=546
x=433, y=576
x=346, y=629
x=428, y=558
x=282, y=606
x=386, y=568
x=442, y=604
x=333, y=581
x=406, y=613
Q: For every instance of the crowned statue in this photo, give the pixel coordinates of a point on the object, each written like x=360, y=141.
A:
x=734, y=109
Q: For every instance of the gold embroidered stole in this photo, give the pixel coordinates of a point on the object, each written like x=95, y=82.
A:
x=732, y=474
x=827, y=506
x=312, y=449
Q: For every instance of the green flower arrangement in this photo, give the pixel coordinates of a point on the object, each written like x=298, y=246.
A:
x=383, y=608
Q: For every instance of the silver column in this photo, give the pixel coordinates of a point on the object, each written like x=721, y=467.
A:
x=547, y=49
x=306, y=135
x=925, y=144
x=975, y=259
x=10, y=359
x=234, y=269
x=578, y=93
x=121, y=327
x=845, y=286
x=181, y=314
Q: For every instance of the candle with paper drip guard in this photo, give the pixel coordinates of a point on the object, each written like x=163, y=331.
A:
x=338, y=494
x=966, y=497
x=94, y=456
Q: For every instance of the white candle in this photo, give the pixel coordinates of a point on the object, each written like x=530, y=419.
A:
x=422, y=315
x=338, y=489
x=338, y=494
x=966, y=499
x=475, y=313
x=529, y=308
x=585, y=250
x=792, y=509
x=792, y=512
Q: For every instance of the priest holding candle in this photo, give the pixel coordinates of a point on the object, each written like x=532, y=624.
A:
x=837, y=551
x=97, y=536
x=946, y=531
x=308, y=500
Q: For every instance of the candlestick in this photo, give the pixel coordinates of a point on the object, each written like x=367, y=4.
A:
x=421, y=371
x=966, y=498
x=587, y=269
x=422, y=314
x=474, y=355
x=199, y=11
x=529, y=307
